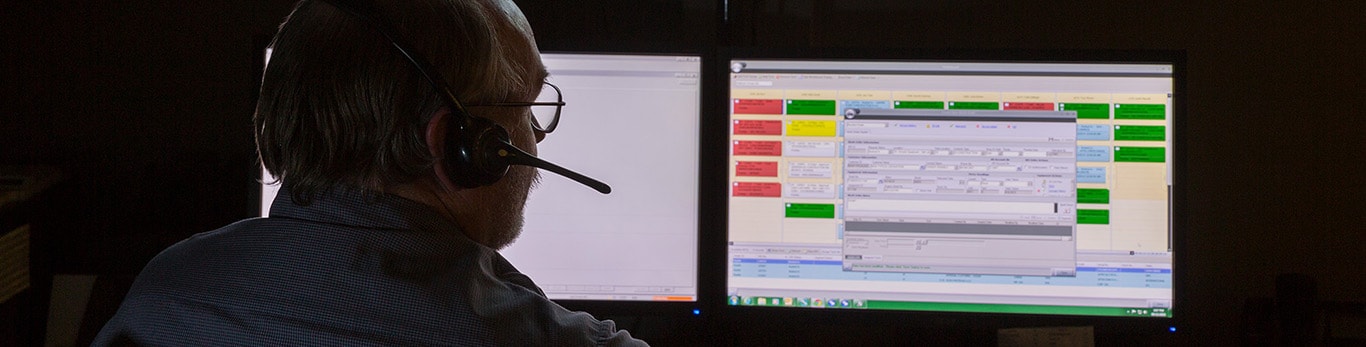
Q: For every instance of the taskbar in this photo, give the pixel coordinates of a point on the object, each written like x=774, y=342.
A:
x=848, y=303
x=621, y=297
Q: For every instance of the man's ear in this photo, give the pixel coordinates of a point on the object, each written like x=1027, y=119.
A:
x=436, y=145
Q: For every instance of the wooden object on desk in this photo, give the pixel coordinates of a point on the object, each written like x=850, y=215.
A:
x=24, y=280
x=14, y=262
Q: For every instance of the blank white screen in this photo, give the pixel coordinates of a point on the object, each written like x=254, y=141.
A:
x=631, y=121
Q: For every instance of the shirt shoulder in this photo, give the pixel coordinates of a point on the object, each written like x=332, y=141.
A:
x=268, y=281
x=344, y=272
x=524, y=316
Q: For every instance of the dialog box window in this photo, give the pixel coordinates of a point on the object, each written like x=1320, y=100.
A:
x=960, y=191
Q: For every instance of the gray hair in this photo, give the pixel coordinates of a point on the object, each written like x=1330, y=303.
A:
x=339, y=106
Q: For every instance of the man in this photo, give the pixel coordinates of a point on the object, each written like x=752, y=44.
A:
x=369, y=242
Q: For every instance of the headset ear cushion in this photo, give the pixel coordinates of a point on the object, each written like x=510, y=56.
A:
x=472, y=152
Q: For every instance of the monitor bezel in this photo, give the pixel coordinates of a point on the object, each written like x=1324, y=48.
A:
x=717, y=193
x=630, y=309
x=644, y=308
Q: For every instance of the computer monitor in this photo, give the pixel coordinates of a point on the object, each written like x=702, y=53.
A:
x=1001, y=183
x=632, y=121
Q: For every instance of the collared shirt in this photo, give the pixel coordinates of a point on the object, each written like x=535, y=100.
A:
x=348, y=269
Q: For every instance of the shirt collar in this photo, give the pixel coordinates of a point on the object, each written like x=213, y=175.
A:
x=358, y=207
x=429, y=236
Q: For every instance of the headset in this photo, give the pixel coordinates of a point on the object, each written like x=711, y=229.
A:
x=477, y=150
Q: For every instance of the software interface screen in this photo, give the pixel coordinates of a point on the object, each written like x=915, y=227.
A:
x=631, y=121
x=951, y=186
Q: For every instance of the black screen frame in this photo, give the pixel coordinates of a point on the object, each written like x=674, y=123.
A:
x=675, y=312
x=912, y=323
x=629, y=310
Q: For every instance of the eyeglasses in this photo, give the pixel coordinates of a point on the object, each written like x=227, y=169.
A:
x=545, y=111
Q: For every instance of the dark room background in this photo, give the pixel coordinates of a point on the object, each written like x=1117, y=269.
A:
x=146, y=107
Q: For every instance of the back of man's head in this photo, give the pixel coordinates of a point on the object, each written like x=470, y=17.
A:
x=340, y=106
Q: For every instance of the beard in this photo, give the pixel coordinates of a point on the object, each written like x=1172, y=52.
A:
x=505, y=208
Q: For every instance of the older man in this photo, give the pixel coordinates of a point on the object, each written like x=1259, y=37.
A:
x=395, y=196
